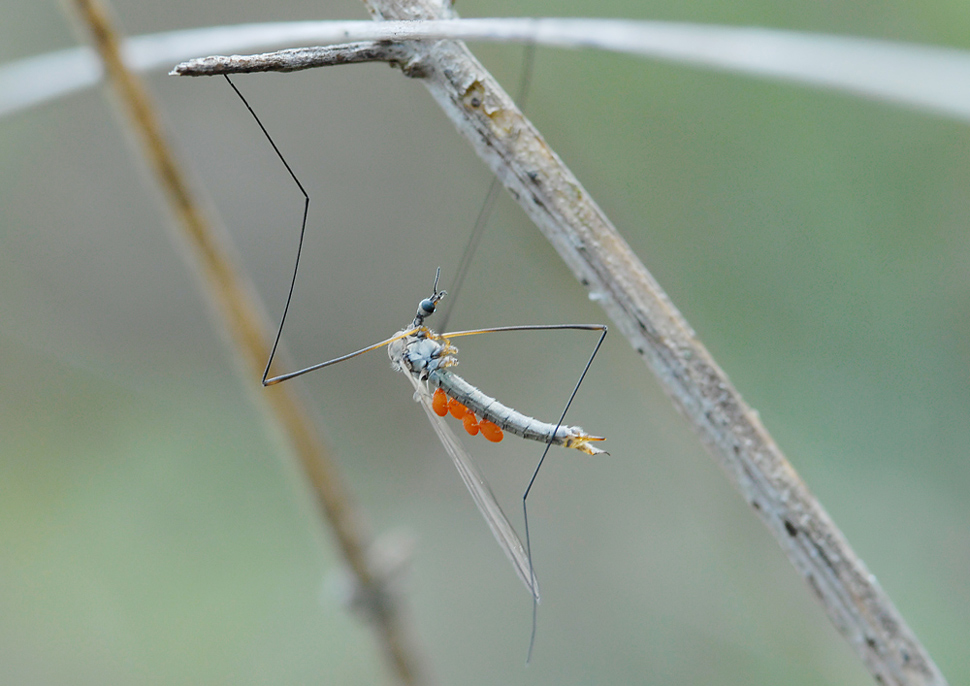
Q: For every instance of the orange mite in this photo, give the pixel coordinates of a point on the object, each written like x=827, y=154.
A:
x=458, y=411
x=471, y=424
x=490, y=431
x=439, y=402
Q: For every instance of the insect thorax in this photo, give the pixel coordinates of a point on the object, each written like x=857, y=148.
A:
x=421, y=353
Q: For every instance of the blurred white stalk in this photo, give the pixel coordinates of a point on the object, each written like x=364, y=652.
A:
x=925, y=77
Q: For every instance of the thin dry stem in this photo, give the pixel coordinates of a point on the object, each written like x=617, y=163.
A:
x=230, y=293
x=294, y=59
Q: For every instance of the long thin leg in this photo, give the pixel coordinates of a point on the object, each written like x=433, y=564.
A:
x=525, y=496
x=525, y=81
x=535, y=473
x=299, y=251
x=528, y=327
x=267, y=381
x=342, y=358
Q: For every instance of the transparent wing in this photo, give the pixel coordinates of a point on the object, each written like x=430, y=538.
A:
x=481, y=493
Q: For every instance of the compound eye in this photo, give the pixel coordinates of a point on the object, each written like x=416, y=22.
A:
x=426, y=306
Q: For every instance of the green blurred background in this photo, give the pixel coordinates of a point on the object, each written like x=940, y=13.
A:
x=818, y=243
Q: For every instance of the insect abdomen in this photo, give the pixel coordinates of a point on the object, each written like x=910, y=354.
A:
x=508, y=419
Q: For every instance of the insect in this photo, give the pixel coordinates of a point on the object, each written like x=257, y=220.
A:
x=427, y=359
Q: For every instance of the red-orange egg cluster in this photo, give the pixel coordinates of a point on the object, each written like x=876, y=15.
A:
x=443, y=405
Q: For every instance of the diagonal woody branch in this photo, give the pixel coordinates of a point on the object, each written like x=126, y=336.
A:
x=604, y=263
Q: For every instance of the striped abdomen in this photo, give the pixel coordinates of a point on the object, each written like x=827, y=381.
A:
x=488, y=408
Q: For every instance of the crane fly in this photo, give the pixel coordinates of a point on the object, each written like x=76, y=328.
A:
x=427, y=359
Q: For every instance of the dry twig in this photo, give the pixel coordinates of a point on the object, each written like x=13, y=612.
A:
x=232, y=297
